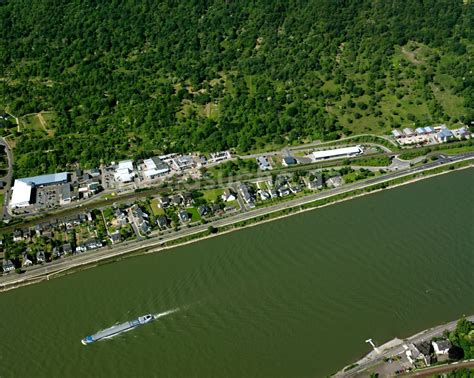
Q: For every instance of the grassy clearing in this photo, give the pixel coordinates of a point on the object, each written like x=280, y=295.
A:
x=458, y=150
x=109, y=196
x=212, y=195
x=195, y=217
x=155, y=208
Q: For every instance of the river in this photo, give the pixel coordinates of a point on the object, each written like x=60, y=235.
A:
x=294, y=297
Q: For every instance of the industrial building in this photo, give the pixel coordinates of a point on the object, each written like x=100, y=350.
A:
x=337, y=153
x=124, y=171
x=23, y=189
x=155, y=167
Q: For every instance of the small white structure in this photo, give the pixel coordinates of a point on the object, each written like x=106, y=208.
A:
x=228, y=196
x=441, y=347
x=124, y=171
x=337, y=153
x=335, y=181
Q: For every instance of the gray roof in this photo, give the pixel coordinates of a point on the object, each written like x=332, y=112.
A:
x=289, y=160
x=443, y=344
x=46, y=179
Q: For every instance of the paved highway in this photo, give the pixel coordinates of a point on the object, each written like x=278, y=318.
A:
x=45, y=271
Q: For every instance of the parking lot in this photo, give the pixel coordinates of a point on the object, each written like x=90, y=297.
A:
x=47, y=197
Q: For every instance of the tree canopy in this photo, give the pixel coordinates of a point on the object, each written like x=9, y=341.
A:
x=127, y=78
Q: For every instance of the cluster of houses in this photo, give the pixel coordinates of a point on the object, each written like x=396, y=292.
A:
x=421, y=354
x=282, y=187
x=430, y=135
x=159, y=166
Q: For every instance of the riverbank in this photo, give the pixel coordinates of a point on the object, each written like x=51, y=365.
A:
x=394, y=348
x=187, y=236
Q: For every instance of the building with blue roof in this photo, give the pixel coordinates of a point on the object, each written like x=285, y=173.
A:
x=22, y=191
x=444, y=135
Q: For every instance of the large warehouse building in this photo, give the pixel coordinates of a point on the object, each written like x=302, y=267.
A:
x=337, y=153
x=22, y=191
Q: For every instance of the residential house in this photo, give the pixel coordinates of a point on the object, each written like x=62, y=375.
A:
x=316, y=183
x=162, y=221
x=93, y=244
x=67, y=248
x=444, y=135
x=295, y=189
x=228, y=196
x=176, y=200
x=441, y=347
x=335, y=181
x=17, y=235
x=8, y=266
x=203, y=210
x=288, y=160
x=247, y=196
x=164, y=201
x=183, y=216
x=188, y=199
x=115, y=237
x=414, y=355
x=273, y=193
x=56, y=252
x=264, y=195
x=26, y=260
x=283, y=191
x=40, y=257
x=120, y=216
x=81, y=248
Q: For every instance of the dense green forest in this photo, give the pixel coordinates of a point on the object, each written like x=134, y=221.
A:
x=130, y=78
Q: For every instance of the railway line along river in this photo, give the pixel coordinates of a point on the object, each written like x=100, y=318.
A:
x=293, y=297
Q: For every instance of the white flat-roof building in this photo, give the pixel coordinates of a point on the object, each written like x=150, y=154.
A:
x=21, y=194
x=124, y=171
x=155, y=167
x=22, y=188
x=337, y=152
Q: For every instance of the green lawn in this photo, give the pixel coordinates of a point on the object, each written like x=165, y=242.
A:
x=212, y=195
x=233, y=204
x=458, y=150
x=155, y=208
x=195, y=217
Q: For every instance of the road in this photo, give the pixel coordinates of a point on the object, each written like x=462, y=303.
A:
x=44, y=271
x=430, y=372
x=374, y=358
x=8, y=181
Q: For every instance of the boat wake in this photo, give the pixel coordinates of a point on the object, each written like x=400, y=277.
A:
x=163, y=314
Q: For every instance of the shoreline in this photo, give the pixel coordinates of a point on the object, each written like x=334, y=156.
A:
x=394, y=347
x=100, y=260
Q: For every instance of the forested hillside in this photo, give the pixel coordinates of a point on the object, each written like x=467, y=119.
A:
x=129, y=78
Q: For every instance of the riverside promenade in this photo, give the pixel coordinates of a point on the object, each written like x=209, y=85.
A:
x=394, y=348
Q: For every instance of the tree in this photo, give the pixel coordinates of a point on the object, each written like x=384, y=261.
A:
x=455, y=353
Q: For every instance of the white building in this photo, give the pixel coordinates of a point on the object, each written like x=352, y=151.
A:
x=441, y=346
x=155, y=167
x=124, y=171
x=21, y=194
x=337, y=153
x=22, y=188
